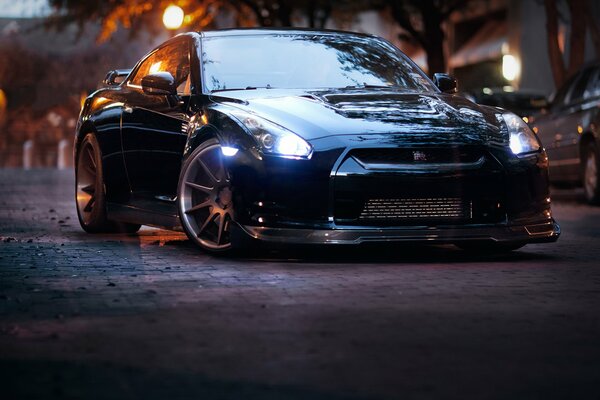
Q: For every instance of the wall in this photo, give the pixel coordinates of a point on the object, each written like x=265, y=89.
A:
x=528, y=31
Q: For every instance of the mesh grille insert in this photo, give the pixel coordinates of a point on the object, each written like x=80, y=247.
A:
x=406, y=209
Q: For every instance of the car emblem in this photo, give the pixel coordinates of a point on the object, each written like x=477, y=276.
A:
x=419, y=156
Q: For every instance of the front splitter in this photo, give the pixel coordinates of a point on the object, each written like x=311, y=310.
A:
x=544, y=232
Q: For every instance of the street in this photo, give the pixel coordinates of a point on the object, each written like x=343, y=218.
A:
x=150, y=316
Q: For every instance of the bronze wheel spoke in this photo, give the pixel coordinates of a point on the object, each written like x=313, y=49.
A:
x=91, y=157
x=89, y=206
x=211, y=176
x=200, y=206
x=205, y=189
x=222, y=222
x=89, y=189
x=210, y=219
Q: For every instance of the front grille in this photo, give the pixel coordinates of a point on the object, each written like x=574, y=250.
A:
x=417, y=155
x=416, y=209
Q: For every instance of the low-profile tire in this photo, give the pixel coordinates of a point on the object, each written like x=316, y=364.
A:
x=489, y=247
x=205, y=199
x=89, y=191
x=591, y=169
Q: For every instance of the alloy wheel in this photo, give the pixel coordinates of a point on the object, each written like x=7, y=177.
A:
x=205, y=199
x=87, y=176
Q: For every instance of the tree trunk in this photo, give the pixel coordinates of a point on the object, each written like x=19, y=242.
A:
x=556, y=57
x=317, y=14
x=434, y=36
x=256, y=10
x=284, y=14
x=578, y=31
x=311, y=11
x=431, y=37
x=436, y=59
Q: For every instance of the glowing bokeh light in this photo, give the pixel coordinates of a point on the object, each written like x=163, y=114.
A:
x=173, y=17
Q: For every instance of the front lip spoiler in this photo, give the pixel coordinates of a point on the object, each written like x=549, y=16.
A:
x=543, y=232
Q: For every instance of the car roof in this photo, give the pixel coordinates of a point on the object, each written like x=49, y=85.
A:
x=277, y=31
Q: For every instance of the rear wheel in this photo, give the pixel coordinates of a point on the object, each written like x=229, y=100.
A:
x=489, y=247
x=591, y=167
x=89, y=191
x=205, y=200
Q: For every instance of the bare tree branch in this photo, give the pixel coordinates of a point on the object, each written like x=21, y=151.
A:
x=578, y=33
x=402, y=17
x=556, y=57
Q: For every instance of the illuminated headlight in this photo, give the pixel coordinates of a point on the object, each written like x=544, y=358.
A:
x=522, y=139
x=274, y=139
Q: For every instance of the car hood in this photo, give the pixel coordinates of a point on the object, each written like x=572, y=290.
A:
x=314, y=114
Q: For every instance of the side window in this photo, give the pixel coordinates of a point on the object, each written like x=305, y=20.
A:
x=593, y=88
x=173, y=58
x=580, y=86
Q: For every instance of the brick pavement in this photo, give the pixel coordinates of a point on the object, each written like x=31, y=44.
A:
x=149, y=316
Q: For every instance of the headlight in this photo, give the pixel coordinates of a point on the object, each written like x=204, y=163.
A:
x=274, y=139
x=522, y=139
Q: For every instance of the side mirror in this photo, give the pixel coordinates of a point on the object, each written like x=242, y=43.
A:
x=445, y=83
x=160, y=83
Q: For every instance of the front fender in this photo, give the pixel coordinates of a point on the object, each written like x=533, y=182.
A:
x=215, y=123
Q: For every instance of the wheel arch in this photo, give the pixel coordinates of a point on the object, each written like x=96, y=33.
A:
x=221, y=126
x=84, y=129
x=198, y=137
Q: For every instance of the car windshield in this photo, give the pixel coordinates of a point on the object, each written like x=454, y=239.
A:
x=307, y=61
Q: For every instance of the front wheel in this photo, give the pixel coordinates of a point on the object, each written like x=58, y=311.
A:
x=591, y=166
x=205, y=198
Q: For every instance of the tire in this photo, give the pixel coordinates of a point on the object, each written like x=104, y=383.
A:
x=205, y=199
x=90, y=196
x=489, y=247
x=591, y=169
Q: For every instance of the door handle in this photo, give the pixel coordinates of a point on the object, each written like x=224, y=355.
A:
x=128, y=109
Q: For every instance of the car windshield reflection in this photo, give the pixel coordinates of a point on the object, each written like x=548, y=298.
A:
x=307, y=62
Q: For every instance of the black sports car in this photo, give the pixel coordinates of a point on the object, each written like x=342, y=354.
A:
x=301, y=136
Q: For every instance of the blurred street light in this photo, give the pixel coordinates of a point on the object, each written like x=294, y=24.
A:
x=2, y=106
x=173, y=17
x=511, y=68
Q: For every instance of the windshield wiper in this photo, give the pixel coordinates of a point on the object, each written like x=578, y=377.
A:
x=246, y=88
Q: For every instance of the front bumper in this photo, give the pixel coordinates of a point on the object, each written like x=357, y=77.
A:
x=535, y=232
x=492, y=196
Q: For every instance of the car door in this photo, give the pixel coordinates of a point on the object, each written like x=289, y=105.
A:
x=551, y=129
x=154, y=127
x=569, y=128
x=564, y=145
